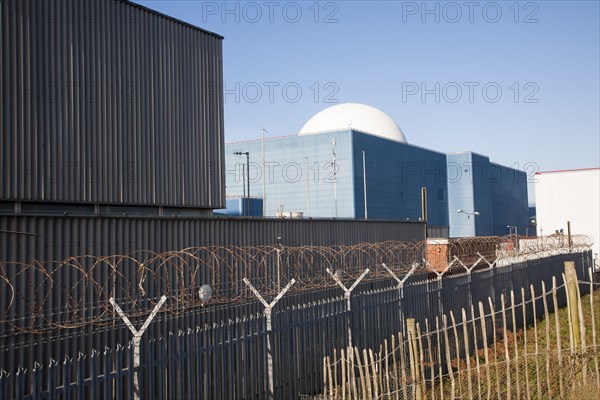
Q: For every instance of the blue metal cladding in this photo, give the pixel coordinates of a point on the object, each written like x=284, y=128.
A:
x=242, y=207
x=509, y=200
x=298, y=172
x=460, y=194
x=395, y=174
x=483, y=176
x=498, y=193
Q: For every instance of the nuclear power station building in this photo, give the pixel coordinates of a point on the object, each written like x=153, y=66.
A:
x=353, y=161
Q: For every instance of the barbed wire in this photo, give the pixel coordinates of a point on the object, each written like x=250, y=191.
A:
x=74, y=292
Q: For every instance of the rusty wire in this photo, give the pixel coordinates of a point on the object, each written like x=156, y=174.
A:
x=75, y=292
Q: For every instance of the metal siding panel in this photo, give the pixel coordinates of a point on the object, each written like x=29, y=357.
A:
x=60, y=237
x=104, y=107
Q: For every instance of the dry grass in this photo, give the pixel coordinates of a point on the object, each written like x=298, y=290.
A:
x=577, y=373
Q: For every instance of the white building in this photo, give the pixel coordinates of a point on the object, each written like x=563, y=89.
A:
x=569, y=195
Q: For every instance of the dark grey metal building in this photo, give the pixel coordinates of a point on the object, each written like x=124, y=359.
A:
x=109, y=103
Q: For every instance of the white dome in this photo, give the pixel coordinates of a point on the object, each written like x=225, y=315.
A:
x=360, y=117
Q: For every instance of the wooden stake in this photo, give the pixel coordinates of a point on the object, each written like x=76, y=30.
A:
x=547, y=319
x=571, y=282
x=488, y=379
x=570, y=318
x=362, y=375
x=439, y=357
x=448, y=359
x=349, y=370
x=476, y=350
x=457, y=347
x=421, y=362
x=506, y=352
x=526, y=367
x=395, y=364
x=368, y=390
x=514, y=323
x=558, y=344
x=380, y=367
x=387, y=368
x=325, y=376
x=535, y=338
x=413, y=350
x=375, y=391
x=431, y=361
x=404, y=382
x=335, y=381
x=493, y=314
x=352, y=371
x=594, y=348
x=332, y=383
x=467, y=353
x=583, y=347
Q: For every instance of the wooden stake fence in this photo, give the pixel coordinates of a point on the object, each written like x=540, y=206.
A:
x=446, y=360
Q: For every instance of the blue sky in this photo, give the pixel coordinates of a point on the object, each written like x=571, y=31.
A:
x=516, y=81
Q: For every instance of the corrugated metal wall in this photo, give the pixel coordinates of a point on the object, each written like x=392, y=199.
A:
x=58, y=237
x=437, y=231
x=109, y=102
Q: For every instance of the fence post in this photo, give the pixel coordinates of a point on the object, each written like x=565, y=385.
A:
x=469, y=270
x=348, y=296
x=571, y=285
x=268, y=316
x=401, y=289
x=569, y=237
x=439, y=275
x=491, y=266
x=279, y=266
x=413, y=351
x=136, y=340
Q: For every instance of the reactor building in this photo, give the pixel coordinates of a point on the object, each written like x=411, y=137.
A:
x=353, y=161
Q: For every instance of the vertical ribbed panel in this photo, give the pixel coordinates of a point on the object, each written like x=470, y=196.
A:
x=108, y=102
x=65, y=236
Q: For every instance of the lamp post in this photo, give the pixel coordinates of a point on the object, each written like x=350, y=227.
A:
x=516, y=240
x=510, y=228
x=264, y=173
x=307, y=185
x=468, y=214
x=531, y=225
x=334, y=165
x=365, y=183
x=247, y=154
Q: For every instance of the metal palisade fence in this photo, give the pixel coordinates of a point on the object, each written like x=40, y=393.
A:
x=269, y=348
